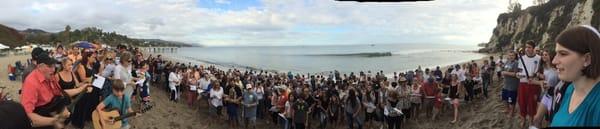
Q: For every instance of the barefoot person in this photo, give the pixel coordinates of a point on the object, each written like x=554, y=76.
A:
x=577, y=60
x=511, y=82
x=455, y=87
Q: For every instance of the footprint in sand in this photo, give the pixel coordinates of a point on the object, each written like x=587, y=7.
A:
x=485, y=121
x=174, y=125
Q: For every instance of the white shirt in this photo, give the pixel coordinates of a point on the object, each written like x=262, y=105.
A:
x=194, y=86
x=288, y=109
x=498, y=67
x=58, y=56
x=260, y=91
x=397, y=89
x=173, y=80
x=425, y=76
x=123, y=73
x=204, y=82
x=477, y=79
x=501, y=60
x=460, y=73
x=532, y=64
x=216, y=97
x=108, y=70
x=551, y=77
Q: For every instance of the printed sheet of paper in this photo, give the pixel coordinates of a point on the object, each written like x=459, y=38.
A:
x=99, y=81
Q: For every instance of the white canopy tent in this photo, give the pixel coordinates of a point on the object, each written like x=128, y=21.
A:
x=2, y=46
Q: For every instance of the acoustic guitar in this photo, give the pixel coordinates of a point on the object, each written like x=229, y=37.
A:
x=56, y=107
x=113, y=114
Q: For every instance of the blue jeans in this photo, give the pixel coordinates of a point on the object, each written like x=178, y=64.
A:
x=485, y=85
x=351, y=121
x=260, y=109
x=285, y=123
x=322, y=120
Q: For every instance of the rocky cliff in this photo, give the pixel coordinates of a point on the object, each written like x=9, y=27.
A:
x=541, y=23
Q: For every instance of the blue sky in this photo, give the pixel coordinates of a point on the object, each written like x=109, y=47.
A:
x=268, y=22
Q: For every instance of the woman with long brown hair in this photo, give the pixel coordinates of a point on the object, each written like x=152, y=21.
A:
x=547, y=79
x=91, y=98
x=455, y=90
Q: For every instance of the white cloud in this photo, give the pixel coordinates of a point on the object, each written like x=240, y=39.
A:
x=276, y=22
x=47, y=6
x=222, y=1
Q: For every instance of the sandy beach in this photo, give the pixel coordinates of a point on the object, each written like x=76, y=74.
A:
x=480, y=114
x=12, y=87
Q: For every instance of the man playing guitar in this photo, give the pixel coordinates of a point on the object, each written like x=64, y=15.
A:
x=42, y=98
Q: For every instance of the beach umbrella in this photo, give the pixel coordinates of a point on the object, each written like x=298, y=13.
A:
x=83, y=44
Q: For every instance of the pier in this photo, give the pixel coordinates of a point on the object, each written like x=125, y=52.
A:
x=159, y=49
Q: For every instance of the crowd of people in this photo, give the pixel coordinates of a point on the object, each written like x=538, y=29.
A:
x=533, y=80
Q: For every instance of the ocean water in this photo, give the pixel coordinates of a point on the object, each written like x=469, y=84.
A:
x=323, y=59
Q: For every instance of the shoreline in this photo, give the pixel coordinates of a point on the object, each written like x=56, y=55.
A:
x=181, y=59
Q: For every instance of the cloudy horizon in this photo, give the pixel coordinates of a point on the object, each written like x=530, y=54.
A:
x=267, y=22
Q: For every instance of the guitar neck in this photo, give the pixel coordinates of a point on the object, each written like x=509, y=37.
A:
x=133, y=113
x=125, y=116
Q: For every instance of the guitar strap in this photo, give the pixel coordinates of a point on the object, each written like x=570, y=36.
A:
x=524, y=66
x=123, y=105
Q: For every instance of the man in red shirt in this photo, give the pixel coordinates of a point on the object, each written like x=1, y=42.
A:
x=430, y=90
x=39, y=89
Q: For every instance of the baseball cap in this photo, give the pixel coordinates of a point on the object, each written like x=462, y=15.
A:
x=44, y=58
x=36, y=52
